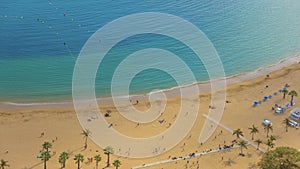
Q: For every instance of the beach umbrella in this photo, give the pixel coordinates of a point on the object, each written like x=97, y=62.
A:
x=255, y=104
x=266, y=122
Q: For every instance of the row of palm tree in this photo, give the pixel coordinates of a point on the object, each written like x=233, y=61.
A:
x=64, y=156
x=270, y=142
x=254, y=130
x=291, y=93
x=242, y=143
x=79, y=158
x=108, y=150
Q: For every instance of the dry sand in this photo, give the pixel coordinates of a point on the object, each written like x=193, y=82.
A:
x=20, y=129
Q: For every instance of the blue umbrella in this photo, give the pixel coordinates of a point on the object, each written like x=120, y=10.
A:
x=255, y=104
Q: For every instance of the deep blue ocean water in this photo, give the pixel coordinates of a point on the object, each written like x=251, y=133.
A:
x=40, y=41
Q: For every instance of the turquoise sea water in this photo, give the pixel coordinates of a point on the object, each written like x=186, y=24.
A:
x=39, y=45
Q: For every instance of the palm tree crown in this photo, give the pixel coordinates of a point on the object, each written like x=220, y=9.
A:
x=292, y=94
x=270, y=144
x=258, y=142
x=238, y=133
x=46, y=145
x=272, y=138
x=46, y=155
x=284, y=91
x=117, y=163
x=3, y=164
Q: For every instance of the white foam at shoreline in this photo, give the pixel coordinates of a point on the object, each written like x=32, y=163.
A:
x=204, y=86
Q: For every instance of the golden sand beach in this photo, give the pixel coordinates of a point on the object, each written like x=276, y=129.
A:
x=21, y=128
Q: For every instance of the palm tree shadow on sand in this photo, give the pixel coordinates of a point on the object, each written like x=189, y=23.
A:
x=229, y=162
x=252, y=166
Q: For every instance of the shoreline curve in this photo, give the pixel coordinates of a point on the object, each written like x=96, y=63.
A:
x=204, y=87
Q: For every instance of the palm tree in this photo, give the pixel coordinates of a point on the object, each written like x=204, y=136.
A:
x=286, y=121
x=284, y=91
x=97, y=159
x=117, y=163
x=78, y=159
x=268, y=128
x=63, y=158
x=292, y=94
x=3, y=164
x=85, y=134
x=270, y=144
x=45, y=157
x=272, y=138
x=243, y=144
x=238, y=133
x=108, y=150
x=46, y=145
x=253, y=130
x=258, y=142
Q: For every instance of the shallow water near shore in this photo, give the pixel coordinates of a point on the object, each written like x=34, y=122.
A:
x=40, y=42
